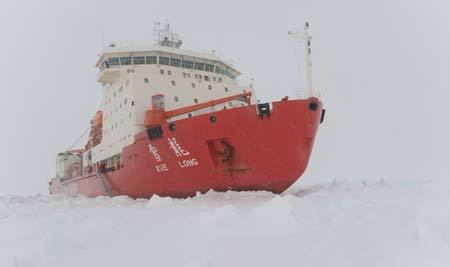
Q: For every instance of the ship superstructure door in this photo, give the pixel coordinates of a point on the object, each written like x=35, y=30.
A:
x=158, y=102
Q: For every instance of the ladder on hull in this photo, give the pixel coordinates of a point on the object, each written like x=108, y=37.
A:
x=105, y=183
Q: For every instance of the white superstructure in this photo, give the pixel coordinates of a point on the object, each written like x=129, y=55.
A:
x=131, y=74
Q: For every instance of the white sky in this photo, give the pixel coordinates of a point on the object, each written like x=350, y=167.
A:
x=382, y=68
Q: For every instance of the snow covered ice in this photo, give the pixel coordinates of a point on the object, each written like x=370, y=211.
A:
x=395, y=222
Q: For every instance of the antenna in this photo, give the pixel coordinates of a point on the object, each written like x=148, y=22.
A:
x=306, y=37
x=164, y=36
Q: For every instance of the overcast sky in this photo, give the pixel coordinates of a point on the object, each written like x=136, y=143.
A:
x=382, y=68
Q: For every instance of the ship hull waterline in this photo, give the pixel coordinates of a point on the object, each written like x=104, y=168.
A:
x=233, y=149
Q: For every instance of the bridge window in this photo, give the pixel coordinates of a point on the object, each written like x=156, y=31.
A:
x=146, y=80
x=209, y=67
x=206, y=78
x=164, y=60
x=188, y=64
x=175, y=62
x=228, y=74
x=138, y=60
x=104, y=65
x=218, y=69
x=114, y=61
x=199, y=66
x=150, y=59
x=125, y=60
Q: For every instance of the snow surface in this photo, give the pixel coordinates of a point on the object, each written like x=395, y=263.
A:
x=398, y=222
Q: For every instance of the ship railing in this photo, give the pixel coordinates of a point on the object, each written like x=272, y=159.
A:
x=129, y=43
x=304, y=94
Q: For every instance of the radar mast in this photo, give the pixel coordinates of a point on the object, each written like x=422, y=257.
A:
x=163, y=35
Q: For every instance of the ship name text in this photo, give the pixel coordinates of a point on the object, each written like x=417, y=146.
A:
x=187, y=163
x=177, y=149
x=161, y=168
x=154, y=152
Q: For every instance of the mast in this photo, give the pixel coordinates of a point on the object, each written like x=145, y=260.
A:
x=306, y=37
x=164, y=36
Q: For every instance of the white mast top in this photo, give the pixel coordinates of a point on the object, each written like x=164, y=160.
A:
x=306, y=37
x=164, y=36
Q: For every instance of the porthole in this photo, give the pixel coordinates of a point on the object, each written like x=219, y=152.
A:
x=172, y=127
x=213, y=119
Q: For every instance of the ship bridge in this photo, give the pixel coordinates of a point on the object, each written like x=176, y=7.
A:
x=135, y=54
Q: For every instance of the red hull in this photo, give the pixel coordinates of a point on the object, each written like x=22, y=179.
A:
x=239, y=151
